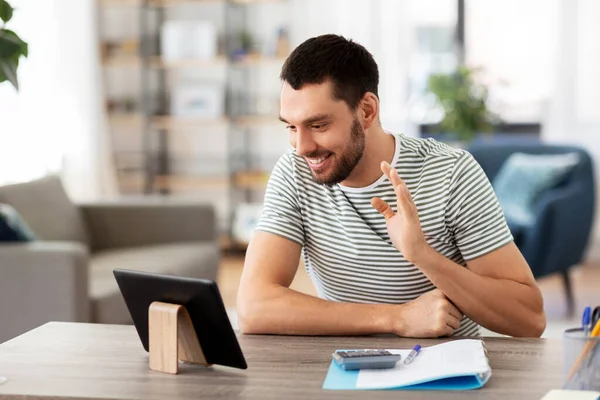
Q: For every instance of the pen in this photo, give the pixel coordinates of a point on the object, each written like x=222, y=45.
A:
x=595, y=316
x=586, y=320
x=413, y=353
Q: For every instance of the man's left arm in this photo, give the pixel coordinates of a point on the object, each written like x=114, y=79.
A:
x=496, y=290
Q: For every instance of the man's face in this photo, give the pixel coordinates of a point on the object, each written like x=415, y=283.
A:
x=323, y=130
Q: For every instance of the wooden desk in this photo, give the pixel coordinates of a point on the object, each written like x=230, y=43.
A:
x=65, y=360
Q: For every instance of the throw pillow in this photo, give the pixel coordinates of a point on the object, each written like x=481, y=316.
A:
x=523, y=177
x=12, y=226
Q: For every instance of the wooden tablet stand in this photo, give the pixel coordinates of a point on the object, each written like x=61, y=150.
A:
x=172, y=337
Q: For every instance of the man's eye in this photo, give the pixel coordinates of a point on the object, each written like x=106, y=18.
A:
x=290, y=127
x=319, y=126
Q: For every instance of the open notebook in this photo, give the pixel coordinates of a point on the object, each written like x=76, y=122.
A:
x=455, y=365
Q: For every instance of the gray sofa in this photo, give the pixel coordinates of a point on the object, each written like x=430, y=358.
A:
x=66, y=275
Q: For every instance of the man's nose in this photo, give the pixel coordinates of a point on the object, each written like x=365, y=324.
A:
x=304, y=143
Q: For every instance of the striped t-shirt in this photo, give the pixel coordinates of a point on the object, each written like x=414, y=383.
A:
x=346, y=248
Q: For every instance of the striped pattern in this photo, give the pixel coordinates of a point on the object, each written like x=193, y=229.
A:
x=346, y=248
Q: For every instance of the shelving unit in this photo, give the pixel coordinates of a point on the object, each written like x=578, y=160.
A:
x=145, y=118
x=172, y=3
x=156, y=62
x=173, y=123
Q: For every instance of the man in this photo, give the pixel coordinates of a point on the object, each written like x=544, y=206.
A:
x=399, y=235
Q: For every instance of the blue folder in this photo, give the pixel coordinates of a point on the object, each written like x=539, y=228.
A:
x=339, y=379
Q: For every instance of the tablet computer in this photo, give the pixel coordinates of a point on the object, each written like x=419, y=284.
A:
x=203, y=302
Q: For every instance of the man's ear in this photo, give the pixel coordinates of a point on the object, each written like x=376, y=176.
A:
x=368, y=110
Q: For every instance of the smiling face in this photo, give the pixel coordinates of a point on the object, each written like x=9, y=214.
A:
x=323, y=130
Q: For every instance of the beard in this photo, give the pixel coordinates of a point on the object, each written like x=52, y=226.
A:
x=344, y=162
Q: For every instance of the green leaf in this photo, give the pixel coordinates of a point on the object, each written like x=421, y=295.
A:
x=6, y=11
x=24, y=49
x=9, y=70
x=8, y=48
x=15, y=38
x=11, y=43
x=464, y=102
x=11, y=50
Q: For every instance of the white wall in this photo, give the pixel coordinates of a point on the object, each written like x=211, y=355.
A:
x=55, y=121
x=514, y=41
x=31, y=146
x=87, y=168
x=574, y=113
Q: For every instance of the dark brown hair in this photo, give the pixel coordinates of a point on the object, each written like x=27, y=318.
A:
x=349, y=66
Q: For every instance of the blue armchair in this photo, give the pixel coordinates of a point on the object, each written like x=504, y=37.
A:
x=564, y=215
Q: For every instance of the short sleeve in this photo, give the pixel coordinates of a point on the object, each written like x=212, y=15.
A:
x=474, y=214
x=281, y=210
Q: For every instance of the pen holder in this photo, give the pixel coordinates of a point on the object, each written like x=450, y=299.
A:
x=581, y=360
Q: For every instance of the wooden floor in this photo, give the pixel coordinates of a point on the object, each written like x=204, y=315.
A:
x=586, y=285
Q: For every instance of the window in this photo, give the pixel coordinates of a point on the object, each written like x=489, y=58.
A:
x=514, y=42
x=434, y=50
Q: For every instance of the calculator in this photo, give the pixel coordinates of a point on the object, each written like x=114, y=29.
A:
x=365, y=359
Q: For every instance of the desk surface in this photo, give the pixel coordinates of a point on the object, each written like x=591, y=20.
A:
x=66, y=360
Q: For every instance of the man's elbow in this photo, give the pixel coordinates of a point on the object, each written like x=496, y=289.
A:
x=246, y=323
x=536, y=320
x=535, y=326
x=539, y=319
x=248, y=315
x=538, y=325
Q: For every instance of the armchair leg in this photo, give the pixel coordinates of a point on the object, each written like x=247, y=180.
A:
x=569, y=293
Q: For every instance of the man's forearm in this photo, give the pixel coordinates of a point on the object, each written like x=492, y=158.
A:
x=280, y=310
x=501, y=305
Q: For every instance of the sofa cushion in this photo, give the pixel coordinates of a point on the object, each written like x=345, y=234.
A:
x=12, y=226
x=193, y=259
x=45, y=206
x=523, y=177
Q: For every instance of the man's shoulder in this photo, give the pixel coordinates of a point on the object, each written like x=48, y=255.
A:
x=431, y=152
x=429, y=148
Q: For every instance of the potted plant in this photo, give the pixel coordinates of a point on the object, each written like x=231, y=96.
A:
x=12, y=48
x=464, y=103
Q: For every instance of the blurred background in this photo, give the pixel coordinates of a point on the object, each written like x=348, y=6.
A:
x=143, y=125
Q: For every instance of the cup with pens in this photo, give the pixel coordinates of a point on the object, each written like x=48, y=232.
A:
x=581, y=353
